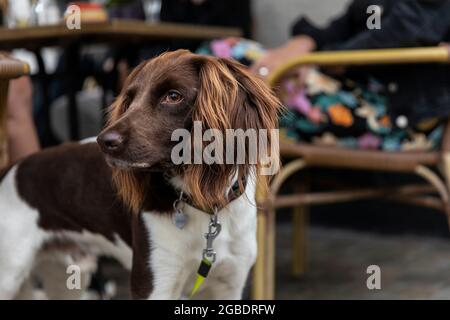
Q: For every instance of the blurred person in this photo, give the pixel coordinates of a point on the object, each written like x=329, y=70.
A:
x=228, y=13
x=388, y=108
x=20, y=129
x=21, y=132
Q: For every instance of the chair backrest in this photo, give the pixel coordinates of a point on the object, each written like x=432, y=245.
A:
x=364, y=57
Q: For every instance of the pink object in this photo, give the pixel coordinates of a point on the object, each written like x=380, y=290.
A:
x=315, y=115
x=300, y=102
x=221, y=49
x=290, y=86
x=232, y=41
x=369, y=141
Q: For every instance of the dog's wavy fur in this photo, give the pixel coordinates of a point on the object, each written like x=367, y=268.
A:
x=228, y=97
x=130, y=185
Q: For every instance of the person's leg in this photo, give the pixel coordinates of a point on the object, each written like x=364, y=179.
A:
x=22, y=136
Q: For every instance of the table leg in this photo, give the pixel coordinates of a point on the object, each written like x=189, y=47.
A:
x=72, y=80
x=46, y=133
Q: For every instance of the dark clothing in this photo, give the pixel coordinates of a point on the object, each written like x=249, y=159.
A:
x=417, y=91
x=228, y=13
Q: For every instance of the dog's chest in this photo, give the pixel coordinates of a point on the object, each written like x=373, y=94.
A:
x=177, y=252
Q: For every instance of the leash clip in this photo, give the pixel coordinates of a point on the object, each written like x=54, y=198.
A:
x=209, y=255
x=214, y=229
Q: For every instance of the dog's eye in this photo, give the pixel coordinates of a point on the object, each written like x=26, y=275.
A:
x=172, y=97
x=125, y=104
x=126, y=101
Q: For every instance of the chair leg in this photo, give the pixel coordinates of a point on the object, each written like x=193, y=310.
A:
x=260, y=268
x=300, y=241
x=270, y=255
x=264, y=269
x=439, y=185
x=300, y=236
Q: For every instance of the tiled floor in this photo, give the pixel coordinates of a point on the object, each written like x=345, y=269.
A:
x=412, y=267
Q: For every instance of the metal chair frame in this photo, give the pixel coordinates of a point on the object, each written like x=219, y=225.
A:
x=301, y=156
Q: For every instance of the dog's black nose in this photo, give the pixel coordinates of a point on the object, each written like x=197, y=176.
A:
x=111, y=142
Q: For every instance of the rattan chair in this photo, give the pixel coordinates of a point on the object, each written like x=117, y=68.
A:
x=300, y=156
x=9, y=68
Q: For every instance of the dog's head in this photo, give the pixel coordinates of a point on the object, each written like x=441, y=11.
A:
x=173, y=91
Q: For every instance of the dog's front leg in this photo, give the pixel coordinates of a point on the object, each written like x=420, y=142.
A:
x=162, y=280
x=157, y=273
x=225, y=284
x=170, y=276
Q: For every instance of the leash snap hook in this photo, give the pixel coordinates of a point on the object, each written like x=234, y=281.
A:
x=214, y=229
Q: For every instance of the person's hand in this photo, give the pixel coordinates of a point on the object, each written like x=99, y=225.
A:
x=274, y=58
x=445, y=45
x=21, y=133
x=20, y=97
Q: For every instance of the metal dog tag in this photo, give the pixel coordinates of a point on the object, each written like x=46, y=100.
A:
x=179, y=218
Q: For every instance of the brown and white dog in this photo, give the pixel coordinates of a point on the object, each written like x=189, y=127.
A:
x=116, y=197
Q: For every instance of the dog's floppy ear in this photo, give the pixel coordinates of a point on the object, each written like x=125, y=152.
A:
x=229, y=97
x=260, y=107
